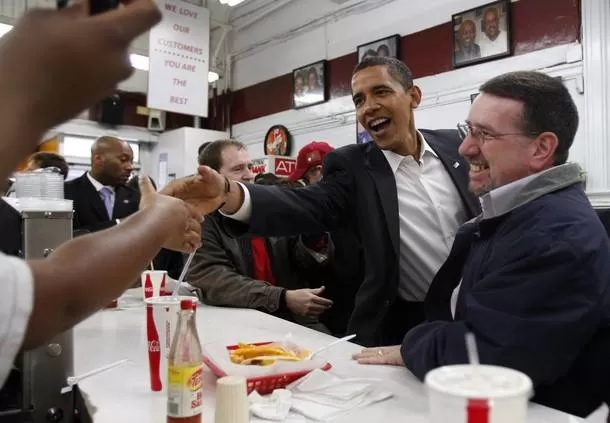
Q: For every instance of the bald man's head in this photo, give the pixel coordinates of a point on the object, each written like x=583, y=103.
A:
x=111, y=161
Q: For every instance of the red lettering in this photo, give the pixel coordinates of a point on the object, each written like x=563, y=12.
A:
x=179, y=82
x=188, y=13
x=189, y=68
x=178, y=100
x=172, y=64
x=181, y=28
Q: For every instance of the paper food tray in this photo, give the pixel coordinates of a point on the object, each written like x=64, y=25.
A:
x=216, y=356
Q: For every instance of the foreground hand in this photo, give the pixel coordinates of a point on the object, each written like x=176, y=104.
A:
x=204, y=192
x=181, y=222
x=380, y=355
x=57, y=63
x=307, y=302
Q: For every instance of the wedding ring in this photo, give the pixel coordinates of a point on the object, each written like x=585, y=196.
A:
x=380, y=352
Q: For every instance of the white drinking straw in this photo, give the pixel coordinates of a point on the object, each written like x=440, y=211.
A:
x=183, y=274
x=73, y=380
x=471, y=348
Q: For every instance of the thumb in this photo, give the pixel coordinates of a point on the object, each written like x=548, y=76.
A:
x=318, y=291
x=146, y=188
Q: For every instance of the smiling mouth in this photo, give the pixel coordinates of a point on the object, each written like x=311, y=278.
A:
x=478, y=167
x=379, y=124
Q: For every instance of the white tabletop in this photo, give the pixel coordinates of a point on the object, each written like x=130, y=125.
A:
x=123, y=394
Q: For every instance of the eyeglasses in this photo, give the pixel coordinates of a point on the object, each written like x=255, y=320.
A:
x=465, y=128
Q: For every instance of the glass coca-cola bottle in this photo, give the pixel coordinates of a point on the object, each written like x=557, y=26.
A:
x=185, y=368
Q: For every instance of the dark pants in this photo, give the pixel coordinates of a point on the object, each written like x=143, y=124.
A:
x=402, y=316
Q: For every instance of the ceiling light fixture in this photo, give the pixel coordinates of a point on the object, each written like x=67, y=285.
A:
x=231, y=2
x=4, y=28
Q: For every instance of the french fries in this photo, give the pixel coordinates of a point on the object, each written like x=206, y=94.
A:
x=264, y=355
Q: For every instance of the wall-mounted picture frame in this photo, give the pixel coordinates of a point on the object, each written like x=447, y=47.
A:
x=278, y=141
x=388, y=46
x=362, y=136
x=309, y=85
x=481, y=34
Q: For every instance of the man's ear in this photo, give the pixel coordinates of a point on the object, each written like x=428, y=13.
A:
x=545, y=148
x=416, y=96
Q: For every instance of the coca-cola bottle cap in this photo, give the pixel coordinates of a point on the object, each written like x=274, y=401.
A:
x=188, y=304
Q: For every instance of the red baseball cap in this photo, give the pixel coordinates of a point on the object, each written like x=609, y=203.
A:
x=310, y=155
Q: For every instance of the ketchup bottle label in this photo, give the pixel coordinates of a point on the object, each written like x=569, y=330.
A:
x=185, y=391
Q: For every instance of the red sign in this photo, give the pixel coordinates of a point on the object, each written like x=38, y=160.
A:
x=284, y=167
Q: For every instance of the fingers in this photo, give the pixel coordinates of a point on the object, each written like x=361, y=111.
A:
x=78, y=8
x=380, y=355
x=194, y=214
x=315, y=310
x=325, y=302
x=134, y=19
x=318, y=291
x=146, y=187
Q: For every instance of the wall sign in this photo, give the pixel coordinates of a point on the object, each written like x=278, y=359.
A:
x=279, y=166
x=278, y=141
x=179, y=51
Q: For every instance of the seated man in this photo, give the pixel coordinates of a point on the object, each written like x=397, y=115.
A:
x=529, y=276
x=250, y=272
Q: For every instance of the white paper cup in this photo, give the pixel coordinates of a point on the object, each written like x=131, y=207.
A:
x=232, y=405
x=153, y=283
x=452, y=390
x=161, y=320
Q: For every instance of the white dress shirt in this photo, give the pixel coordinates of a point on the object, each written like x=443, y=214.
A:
x=429, y=212
x=16, y=303
x=491, y=48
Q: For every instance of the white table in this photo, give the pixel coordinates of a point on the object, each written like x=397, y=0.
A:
x=123, y=394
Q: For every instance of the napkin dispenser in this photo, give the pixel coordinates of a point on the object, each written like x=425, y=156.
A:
x=32, y=392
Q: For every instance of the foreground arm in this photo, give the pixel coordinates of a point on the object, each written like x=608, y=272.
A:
x=85, y=274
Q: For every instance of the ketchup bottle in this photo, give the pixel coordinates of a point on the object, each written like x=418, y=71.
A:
x=185, y=369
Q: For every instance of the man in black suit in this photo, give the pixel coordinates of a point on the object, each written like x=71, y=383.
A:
x=407, y=194
x=101, y=198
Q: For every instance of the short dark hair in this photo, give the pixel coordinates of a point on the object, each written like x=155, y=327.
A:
x=211, y=155
x=397, y=69
x=45, y=159
x=201, y=148
x=547, y=105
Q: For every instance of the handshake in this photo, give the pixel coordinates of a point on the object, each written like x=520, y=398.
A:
x=182, y=204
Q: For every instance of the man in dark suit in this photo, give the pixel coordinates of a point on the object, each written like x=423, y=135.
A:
x=407, y=194
x=101, y=198
x=250, y=271
x=343, y=272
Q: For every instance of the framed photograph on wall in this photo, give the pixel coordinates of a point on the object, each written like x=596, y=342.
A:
x=481, y=34
x=309, y=85
x=389, y=46
x=362, y=136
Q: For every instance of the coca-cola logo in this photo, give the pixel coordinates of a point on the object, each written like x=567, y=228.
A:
x=194, y=381
x=148, y=290
x=153, y=346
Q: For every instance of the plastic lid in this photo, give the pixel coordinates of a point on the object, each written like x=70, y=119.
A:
x=188, y=304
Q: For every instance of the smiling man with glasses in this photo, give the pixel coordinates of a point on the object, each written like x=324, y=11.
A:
x=529, y=276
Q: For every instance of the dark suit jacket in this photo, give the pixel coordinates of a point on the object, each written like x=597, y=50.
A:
x=359, y=185
x=223, y=269
x=89, y=210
